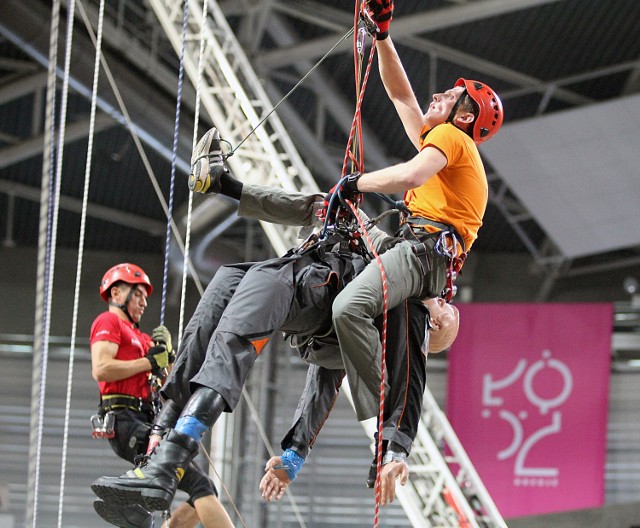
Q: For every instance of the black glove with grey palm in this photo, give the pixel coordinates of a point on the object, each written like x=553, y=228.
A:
x=159, y=359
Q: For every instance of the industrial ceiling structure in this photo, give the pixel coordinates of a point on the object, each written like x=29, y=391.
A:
x=567, y=72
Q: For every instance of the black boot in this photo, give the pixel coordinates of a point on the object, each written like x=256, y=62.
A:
x=132, y=516
x=154, y=485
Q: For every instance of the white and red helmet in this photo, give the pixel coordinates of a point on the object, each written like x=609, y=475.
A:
x=125, y=272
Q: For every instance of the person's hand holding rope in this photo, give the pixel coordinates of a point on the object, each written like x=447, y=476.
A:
x=345, y=189
x=162, y=336
x=381, y=12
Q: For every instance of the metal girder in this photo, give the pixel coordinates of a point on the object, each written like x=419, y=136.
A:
x=325, y=89
x=22, y=86
x=405, y=26
x=153, y=227
x=117, y=34
x=16, y=24
x=433, y=495
x=33, y=146
x=237, y=104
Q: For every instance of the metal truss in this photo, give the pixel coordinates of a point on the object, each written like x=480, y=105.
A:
x=232, y=95
x=444, y=489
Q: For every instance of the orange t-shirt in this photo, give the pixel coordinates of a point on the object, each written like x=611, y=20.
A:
x=458, y=194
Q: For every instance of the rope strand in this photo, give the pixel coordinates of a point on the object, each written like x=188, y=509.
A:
x=42, y=286
x=174, y=155
x=76, y=298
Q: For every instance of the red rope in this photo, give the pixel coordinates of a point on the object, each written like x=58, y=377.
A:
x=355, y=134
x=383, y=370
x=355, y=154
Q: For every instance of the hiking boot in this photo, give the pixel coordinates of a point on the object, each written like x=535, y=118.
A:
x=207, y=164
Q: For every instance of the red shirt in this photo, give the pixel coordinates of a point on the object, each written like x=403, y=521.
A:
x=132, y=344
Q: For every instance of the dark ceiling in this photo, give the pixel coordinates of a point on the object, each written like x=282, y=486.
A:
x=542, y=56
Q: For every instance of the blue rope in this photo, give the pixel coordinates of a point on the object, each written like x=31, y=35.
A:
x=174, y=155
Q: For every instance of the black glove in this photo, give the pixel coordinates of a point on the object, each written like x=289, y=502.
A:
x=346, y=189
x=159, y=359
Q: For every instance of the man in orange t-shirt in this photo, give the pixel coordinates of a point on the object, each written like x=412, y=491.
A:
x=446, y=192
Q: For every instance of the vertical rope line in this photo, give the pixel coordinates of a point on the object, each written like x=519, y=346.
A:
x=56, y=206
x=136, y=139
x=174, y=155
x=356, y=123
x=194, y=141
x=355, y=135
x=383, y=370
x=76, y=299
x=43, y=262
x=50, y=262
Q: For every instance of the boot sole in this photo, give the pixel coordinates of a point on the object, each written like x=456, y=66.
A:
x=151, y=499
x=111, y=515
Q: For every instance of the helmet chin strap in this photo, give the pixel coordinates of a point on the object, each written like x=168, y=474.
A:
x=452, y=114
x=124, y=306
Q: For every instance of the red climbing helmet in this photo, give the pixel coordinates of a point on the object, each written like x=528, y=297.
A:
x=125, y=272
x=491, y=114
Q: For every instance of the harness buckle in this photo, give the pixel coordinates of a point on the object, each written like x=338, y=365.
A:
x=103, y=426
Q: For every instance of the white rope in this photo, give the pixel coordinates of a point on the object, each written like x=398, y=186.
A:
x=40, y=343
x=136, y=140
x=59, y=159
x=196, y=123
x=52, y=239
x=76, y=298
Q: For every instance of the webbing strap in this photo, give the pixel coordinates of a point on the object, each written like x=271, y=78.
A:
x=418, y=221
x=124, y=401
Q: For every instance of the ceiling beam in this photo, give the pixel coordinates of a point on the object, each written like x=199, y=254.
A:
x=108, y=214
x=325, y=89
x=22, y=86
x=406, y=26
x=152, y=127
x=34, y=146
x=145, y=58
x=406, y=30
x=528, y=82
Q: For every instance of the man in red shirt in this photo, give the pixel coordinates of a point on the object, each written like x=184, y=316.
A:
x=125, y=362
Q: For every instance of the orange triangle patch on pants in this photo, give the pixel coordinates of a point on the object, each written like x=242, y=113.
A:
x=259, y=344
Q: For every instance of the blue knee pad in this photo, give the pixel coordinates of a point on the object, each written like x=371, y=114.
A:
x=191, y=426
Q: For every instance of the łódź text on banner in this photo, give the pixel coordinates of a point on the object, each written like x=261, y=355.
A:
x=528, y=388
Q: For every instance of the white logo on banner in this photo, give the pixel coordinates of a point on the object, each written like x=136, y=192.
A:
x=547, y=421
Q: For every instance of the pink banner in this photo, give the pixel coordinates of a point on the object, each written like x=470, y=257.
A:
x=528, y=387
